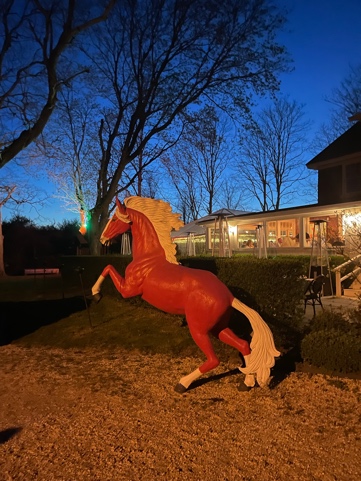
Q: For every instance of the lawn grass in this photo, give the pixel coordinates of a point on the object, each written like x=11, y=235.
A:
x=31, y=288
x=42, y=312
x=114, y=324
x=110, y=323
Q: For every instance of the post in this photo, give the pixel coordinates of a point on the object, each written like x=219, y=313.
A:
x=338, y=283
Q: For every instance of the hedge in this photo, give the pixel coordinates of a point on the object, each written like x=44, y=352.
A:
x=274, y=287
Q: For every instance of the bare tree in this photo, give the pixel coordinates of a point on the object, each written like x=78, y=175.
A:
x=8, y=197
x=34, y=37
x=347, y=97
x=148, y=183
x=197, y=163
x=13, y=195
x=151, y=61
x=272, y=146
x=345, y=102
x=5, y=192
x=189, y=193
x=72, y=151
x=209, y=148
x=231, y=196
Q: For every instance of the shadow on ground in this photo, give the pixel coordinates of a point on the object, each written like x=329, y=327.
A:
x=7, y=434
x=284, y=366
x=17, y=319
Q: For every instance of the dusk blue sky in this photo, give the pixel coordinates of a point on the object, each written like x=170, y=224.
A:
x=323, y=38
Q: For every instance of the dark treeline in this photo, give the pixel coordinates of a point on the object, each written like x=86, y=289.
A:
x=29, y=246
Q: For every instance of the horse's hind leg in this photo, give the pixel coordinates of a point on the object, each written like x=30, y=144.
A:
x=204, y=343
x=229, y=337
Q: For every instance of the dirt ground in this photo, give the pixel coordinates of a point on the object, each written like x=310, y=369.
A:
x=95, y=415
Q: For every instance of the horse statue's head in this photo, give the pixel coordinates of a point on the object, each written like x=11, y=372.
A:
x=118, y=223
x=151, y=222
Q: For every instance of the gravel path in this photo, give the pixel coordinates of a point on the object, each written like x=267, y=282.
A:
x=112, y=416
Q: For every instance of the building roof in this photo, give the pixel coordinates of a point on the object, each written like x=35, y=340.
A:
x=256, y=218
x=221, y=213
x=347, y=144
x=196, y=227
x=310, y=210
x=81, y=239
x=191, y=228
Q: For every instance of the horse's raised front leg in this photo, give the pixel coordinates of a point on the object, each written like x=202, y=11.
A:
x=123, y=286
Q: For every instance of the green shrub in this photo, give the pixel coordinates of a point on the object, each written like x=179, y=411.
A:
x=86, y=269
x=332, y=349
x=334, y=342
x=329, y=319
x=274, y=287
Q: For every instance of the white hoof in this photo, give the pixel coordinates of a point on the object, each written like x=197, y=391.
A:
x=250, y=380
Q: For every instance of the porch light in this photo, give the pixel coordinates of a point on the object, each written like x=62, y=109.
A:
x=232, y=229
x=351, y=220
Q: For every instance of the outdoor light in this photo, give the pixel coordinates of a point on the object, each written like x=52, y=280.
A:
x=351, y=220
x=232, y=229
x=83, y=221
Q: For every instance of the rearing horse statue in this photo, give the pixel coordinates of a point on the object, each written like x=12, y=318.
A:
x=199, y=295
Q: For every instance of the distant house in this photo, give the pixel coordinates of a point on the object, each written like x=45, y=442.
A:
x=191, y=238
x=293, y=230
x=339, y=168
x=82, y=246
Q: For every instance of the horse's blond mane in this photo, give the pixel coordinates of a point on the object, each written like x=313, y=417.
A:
x=163, y=219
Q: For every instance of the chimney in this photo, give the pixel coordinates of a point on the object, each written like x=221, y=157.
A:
x=355, y=117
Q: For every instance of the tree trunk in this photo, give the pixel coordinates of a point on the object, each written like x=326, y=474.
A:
x=2, y=266
x=95, y=228
x=94, y=246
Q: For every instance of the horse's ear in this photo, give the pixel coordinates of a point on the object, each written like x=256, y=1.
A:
x=121, y=208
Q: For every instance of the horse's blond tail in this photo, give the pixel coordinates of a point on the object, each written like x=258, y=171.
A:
x=263, y=350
